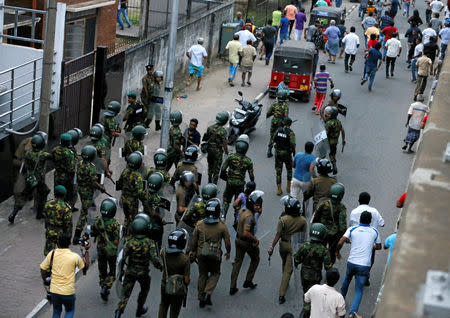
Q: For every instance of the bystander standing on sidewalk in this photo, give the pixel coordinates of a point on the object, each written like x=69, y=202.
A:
x=394, y=48
x=196, y=54
x=239, y=19
x=233, y=47
x=416, y=113
x=60, y=265
x=122, y=10
x=248, y=55
x=351, y=43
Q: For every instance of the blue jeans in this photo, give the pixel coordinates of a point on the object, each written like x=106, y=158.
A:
x=413, y=69
x=125, y=15
x=316, y=61
x=361, y=273
x=406, y=8
x=338, y=3
x=69, y=305
x=362, y=12
x=369, y=73
x=443, y=49
x=283, y=37
x=269, y=49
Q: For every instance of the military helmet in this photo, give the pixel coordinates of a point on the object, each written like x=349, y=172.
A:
x=187, y=176
x=336, y=93
x=222, y=118
x=331, y=111
x=155, y=181
x=108, y=208
x=143, y=216
x=113, y=108
x=60, y=191
x=65, y=139
x=318, y=232
x=255, y=198
x=139, y=228
x=282, y=94
x=76, y=134
x=209, y=191
x=176, y=241
x=158, y=74
x=100, y=126
x=138, y=132
x=242, y=144
x=176, y=118
x=337, y=192
x=43, y=135
x=160, y=158
x=134, y=160
x=323, y=166
x=96, y=133
x=89, y=153
x=291, y=205
x=37, y=142
x=190, y=154
x=212, y=211
x=287, y=121
x=250, y=187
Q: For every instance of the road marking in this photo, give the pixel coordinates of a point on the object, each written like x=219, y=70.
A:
x=350, y=11
x=5, y=249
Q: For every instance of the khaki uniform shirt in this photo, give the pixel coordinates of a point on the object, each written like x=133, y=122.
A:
x=289, y=225
x=319, y=188
x=176, y=263
x=423, y=65
x=246, y=223
x=215, y=233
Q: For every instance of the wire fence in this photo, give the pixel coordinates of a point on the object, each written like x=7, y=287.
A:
x=261, y=10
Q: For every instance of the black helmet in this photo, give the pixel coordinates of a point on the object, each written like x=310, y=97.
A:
x=134, y=160
x=331, y=111
x=190, y=154
x=287, y=121
x=139, y=228
x=176, y=118
x=242, y=144
x=255, y=198
x=155, y=182
x=187, y=176
x=89, y=153
x=323, y=166
x=138, y=132
x=76, y=134
x=113, y=108
x=108, y=208
x=250, y=187
x=37, y=142
x=212, y=214
x=160, y=159
x=318, y=232
x=337, y=192
x=222, y=118
x=291, y=205
x=176, y=241
x=96, y=133
x=336, y=93
x=209, y=191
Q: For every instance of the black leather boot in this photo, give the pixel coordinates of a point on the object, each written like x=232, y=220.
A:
x=269, y=152
x=117, y=314
x=13, y=214
x=157, y=125
x=141, y=309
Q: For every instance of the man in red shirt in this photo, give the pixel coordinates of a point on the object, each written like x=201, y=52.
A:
x=387, y=32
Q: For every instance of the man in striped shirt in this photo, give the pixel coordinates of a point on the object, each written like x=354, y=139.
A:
x=320, y=84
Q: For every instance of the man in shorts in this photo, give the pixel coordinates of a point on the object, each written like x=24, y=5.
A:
x=248, y=56
x=196, y=54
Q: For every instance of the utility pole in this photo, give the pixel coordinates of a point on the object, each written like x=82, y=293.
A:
x=47, y=66
x=168, y=83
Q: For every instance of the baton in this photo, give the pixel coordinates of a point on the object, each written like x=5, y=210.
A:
x=343, y=145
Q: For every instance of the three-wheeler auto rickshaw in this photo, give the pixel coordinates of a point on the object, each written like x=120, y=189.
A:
x=295, y=58
x=325, y=15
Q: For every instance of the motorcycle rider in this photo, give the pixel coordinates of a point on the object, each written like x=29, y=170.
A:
x=279, y=110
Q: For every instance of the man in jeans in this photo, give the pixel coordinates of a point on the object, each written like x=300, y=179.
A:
x=303, y=165
x=284, y=28
x=373, y=56
x=269, y=38
x=63, y=263
x=363, y=239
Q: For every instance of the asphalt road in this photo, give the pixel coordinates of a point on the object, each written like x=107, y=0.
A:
x=372, y=161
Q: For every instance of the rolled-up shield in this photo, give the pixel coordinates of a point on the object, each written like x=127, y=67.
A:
x=119, y=280
x=320, y=140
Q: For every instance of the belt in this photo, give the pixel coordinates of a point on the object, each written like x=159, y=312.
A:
x=244, y=238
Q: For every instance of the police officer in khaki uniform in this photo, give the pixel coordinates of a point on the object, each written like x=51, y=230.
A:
x=291, y=222
x=246, y=241
x=319, y=187
x=185, y=192
x=206, y=247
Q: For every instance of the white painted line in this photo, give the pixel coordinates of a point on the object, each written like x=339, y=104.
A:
x=38, y=308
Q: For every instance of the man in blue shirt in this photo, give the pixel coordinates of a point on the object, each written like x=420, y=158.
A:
x=303, y=166
x=284, y=28
x=394, y=8
x=389, y=243
x=239, y=20
x=373, y=56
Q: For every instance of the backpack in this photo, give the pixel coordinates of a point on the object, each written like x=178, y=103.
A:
x=175, y=285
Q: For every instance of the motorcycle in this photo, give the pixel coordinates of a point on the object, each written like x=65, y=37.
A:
x=244, y=119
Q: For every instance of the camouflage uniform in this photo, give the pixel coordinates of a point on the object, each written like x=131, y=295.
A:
x=216, y=136
x=132, y=145
x=21, y=194
x=139, y=253
x=184, y=166
x=165, y=174
x=106, y=143
x=151, y=203
x=37, y=159
x=312, y=255
x=86, y=177
x=333, y=128
x=184, y=196
x=64, y=160
x=279, y=110
x=195, y=213
x=132, y=186
x=284, y=139
x=58, y=220
x=175, y=139
x=150, y=90
x=334, y=217
x=111, y=230
x=136, y=113
x=111, y=126
x=237, y=165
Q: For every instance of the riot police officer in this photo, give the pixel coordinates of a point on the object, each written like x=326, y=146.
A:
x=184, y=193
x=64, y=159
x=135, y=142
x=176, y=140
x=290, y=223
x=135, y=114
x=160, y=161
x=151, y=103
x=279, y=110
x=111, y=124
x=198, y=211
x=76, y=134
x=152, y=202
x=187, y=164
x=333, y=128
x=96, y=134
x=319, y=187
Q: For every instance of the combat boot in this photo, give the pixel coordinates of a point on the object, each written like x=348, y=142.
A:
x=335, y=171
x=76, y=237
x=157, y=125
x=141, y=309
x=279, y=190
x=147, y=123
x=208, y=300
x=104, y=293
x=269, y=152
x=117, y=314
x=288, y=187
x=13, y=214
x=39, y=214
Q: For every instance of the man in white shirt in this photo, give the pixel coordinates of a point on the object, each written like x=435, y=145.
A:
x=245, y=35
x=363, y=239
x=428, y=33
x=351, y=42
x=196, y=54
x=394, y=49
x=436, y=6
x=323, y=301
x=416, y=113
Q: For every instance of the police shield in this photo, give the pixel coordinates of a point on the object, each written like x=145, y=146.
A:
x=320, y=140
x=181, y=224
x=119, y=279
x=100, y=165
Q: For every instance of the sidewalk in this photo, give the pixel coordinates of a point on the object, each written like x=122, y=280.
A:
x=23, y=242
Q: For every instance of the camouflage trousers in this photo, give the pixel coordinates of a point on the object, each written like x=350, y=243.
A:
x=274, y=125
x=333, y=150
x=39, y=195
x=332, y=241
x=51, y=239
x=106, y=268
x=130, y=209
x=133, y=274
x=21, y=194
x=87, y=198
x=66, y=180
x=215, y=158
x=232, y=188
x=174, y=302
x=173, y=159
x=310, y=277
x=283, y=157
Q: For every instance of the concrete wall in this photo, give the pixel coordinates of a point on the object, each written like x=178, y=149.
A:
x=207, y=26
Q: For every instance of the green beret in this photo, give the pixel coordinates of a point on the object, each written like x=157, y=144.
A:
x=132, y=94
x=66, y=137
x=60, y=190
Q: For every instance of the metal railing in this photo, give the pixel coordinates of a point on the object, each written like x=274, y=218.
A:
x=17, y=15
x=20, y=94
